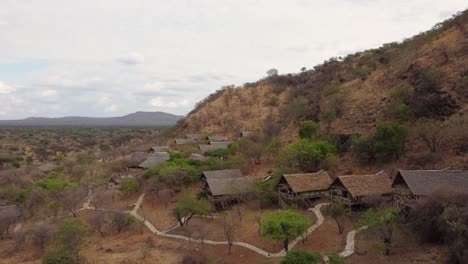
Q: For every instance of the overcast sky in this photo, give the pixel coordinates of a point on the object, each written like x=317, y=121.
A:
x=114, y=57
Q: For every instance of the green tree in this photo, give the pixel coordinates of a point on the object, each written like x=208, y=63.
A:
x=284, y=225
x=432, y=132
x=328, y=116
x=390, y=140
x=338, y=212
x=67, y=243
x=188, y=206
x=300, y=256
x=381, y=223
x=129, y=186
x=308, y=130
x=306, y=155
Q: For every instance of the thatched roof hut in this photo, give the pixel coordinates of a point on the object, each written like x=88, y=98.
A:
x=205, y=148
x=245, y=133
x=155, y=160
x=197, y=156
x=306, y=182
x=352, y=189
x=184, y=141
x=159, y=149
x=136, y=159
x=232, y=186
x=48, y=167
x=216, y=138
x=302, y=188
x=195, y=137
x=424, y=182
x=222, y=174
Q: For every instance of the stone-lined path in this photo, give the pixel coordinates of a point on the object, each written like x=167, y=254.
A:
x=350, y=238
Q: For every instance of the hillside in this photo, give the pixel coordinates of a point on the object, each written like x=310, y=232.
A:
x=423, y=77
x=366, y=80
x=134, y=119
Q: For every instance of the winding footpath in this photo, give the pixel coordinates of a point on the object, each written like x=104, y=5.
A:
x=350, y=239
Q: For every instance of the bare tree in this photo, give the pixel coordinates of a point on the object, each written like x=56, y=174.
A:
x=165, y=196
x=202, y=233
x=118, y=221
x=33, y=202
x=73, y=199
x=41, y=235
x=99, y=221
x=431, y=132
x=9, y=215
x=188, y=231
x=229, y=231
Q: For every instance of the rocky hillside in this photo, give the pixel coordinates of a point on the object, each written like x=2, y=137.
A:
x=134, y=119
x=424, y=76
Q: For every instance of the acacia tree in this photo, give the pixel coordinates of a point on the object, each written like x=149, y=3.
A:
x=381, y=223
x=283, y=226
x=308, y=129
x=67, y=243
x=338, y=211
x=188, y=206
x=73, y=199
x=229, y=231
x=431, y=132
x=300, y=256
x=41, y=235
x=306, y=155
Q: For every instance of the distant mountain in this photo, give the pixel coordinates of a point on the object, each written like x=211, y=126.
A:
x=135, y=119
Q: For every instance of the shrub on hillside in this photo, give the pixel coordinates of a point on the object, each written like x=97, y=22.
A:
x=442, y=218
x=390, y=141
x=306, y=155
x=300, y=256
x=308, y=129
x=129, y=186
x=428, y=99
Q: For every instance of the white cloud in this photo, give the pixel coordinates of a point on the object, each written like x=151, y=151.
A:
x=112, y=108
x=49, y=93
x=161, y=102
x=177, y=52
x=6, y=89
x=133, y=58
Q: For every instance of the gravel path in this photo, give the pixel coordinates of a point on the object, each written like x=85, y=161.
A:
x=349, y=248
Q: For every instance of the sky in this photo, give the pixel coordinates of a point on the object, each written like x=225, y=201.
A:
x=115, y=57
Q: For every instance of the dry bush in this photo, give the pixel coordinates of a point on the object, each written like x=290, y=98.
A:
x=194, y=259
x=442, y=218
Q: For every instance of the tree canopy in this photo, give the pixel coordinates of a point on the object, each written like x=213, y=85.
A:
x=284, y=225
x=306, y=155
x=188, y=206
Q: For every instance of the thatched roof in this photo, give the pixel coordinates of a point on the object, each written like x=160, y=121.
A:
x=223, y=174
x=217, y=138
x=159, y=149
x=366, y=185
x=213, y=146
x=155, y=160
x=231, y=186
x=194, y=136
x=136, y=159
x=423, y=182
x=308, y=182
x=245, y=133
x=184, y=141
x=48, y=167
x=197, y=156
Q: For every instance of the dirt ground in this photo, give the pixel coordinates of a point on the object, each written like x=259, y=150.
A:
x=157, y=213
x=113, y=199
x=406, y=250
x=325, y=239
x=247, y=228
